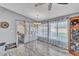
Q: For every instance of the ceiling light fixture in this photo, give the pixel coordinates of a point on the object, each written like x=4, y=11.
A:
x=37, y=23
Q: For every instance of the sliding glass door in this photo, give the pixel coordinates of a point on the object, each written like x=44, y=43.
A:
x=40, y=30
x=63, y=33
x=52, y=32
x=43, y=31
x=32, y=32
x=58, y=33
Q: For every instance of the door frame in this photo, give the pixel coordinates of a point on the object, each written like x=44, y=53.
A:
x=17, y=43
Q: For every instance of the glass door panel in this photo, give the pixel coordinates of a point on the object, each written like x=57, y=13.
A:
x=43, y=32
x=52, y=31
x=63, y=34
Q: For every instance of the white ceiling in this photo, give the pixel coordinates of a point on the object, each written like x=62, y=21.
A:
x=29, y=10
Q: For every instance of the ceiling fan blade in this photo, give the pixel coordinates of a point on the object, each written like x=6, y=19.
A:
x=50, y=6
x=38, y=4
x=63, y=3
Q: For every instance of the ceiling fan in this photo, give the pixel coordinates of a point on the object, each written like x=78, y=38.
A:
x=49, y=5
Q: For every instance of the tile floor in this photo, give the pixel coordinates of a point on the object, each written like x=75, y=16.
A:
x=37, y=48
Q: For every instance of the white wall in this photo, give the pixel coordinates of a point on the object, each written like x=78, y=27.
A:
x=8, y=35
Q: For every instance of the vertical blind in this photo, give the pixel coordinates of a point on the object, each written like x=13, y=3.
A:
x=58, y=32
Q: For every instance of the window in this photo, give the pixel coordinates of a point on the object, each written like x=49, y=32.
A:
x=42, y=30
x=63, y=31
x=53, y=31
x=58, y=33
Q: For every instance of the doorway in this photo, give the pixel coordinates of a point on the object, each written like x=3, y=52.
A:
x=20, y=31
